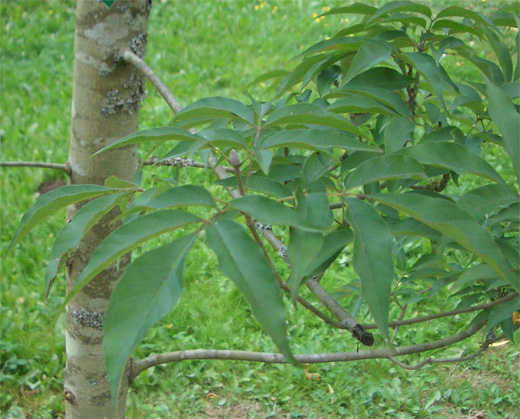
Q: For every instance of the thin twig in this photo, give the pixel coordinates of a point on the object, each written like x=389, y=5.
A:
x=430, y=360
x=167, y=95
x=181, y=162
x=56, y=166
x=275, y=358
x=447, y=313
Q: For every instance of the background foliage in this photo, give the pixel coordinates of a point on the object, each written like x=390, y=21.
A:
x=38, y=125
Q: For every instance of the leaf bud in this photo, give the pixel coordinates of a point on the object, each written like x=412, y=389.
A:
x=234, y=159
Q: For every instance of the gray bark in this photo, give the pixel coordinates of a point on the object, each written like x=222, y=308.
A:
x=107, y=94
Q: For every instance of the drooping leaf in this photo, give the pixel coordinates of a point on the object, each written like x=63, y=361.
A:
x=309, y=114
x=500, y=313
x=372, y=259
x=304, y=246
x=333, y=244
x=453, y=157
x=316, y=165
x=316, y=139
x=368, y=55
x=127, y=237
x=398, y=133
x=160, y=135
x=385, y=167
x=264, y=159
x=411, y=226
x=72, y=232
x=242, y=260
x=385, y=97
x=381, y=78
x=357, y=104
x=434, y=73
x=359, y=8
x=148, y=290
x=400, y=6
x=54, y=201
x=224, y=137
x=271, y=212
x=260, y=184
x=185, y=195
x=507, y=119
x=463, y=12
x=456, y=224
x=486, y=199
x=217, y=108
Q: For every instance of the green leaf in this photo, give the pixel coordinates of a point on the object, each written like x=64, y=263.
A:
x=368, y=55
x=264, y=159
x=410, y=226
x=274, y=74
x=486, y=199
x=148, y=290
x=463, y=12
x=455, y=27
x=456, y=224
x=500, y=313
x=217, y=108
x=224, y=137
x=358, y=104
x=316, y=165
x=304, y=246
x=504, y=115
x=502, y=53
x=316, y=139
x=386, y=97
x=372, y=259
x=400, y=6
x=181, y=149
x=271, y=212
x=259, y=184
x=127, y=237
x=398, y=133
x=309, y=114
x=358, y=8
x=54, y=201
x=242, y=260
x=70, y=235
x=453, y=157
x=435, y=74
x=185, y=195
x=381, y=78
x=385, y=167
x=160, y=134
x=333, y=244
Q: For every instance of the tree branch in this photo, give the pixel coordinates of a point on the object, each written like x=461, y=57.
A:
x=56, y=166
x=133, y=59
x=447, y=313
x=180, y=162
x=345, y=319
x=274, y=358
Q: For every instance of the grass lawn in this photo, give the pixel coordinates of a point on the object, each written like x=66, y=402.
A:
x=201, y=48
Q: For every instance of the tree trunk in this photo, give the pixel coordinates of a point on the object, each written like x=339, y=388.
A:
x=105, y=107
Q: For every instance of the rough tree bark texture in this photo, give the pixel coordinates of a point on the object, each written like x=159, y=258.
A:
x=105, y=107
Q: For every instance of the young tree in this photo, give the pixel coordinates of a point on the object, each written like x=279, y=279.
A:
x=363, y=144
